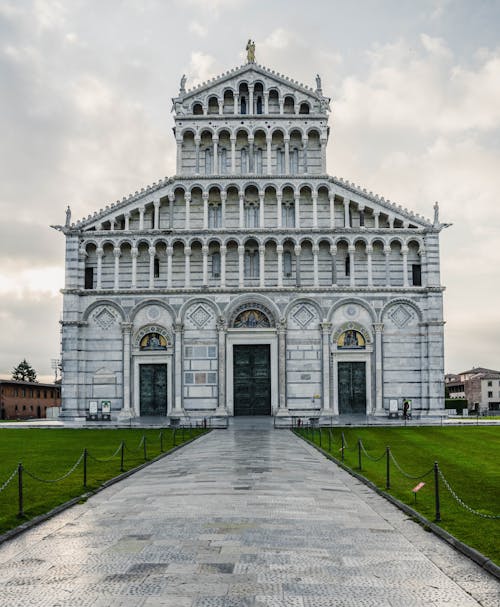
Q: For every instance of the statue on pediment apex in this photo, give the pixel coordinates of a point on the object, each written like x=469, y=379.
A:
x=250, y=49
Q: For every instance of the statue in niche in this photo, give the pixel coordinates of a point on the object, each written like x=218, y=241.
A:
x=250, y=48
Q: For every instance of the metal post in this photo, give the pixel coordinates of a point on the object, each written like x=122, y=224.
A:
x=388, y=468
x=161, y=441
x=343, y=446
x=85, y=467
x=436, y=492
x=122, y=455
x=320, y=433
x=20, y=513
x=183, y=433
x=145, y=448
x=329, y=439
x=359, y=454
x=175, y=430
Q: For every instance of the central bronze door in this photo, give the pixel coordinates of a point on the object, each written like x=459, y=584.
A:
x=252, y=380
x=153, y=389
x=352, y=387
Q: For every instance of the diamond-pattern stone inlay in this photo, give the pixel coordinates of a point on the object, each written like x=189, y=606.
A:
x=303, y=316
x=105, y=318
x=401, y=316
x=200, y=316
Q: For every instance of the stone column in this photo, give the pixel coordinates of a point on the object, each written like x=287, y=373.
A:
x=134, y=252
x=262, y=223
x=233, y=155
x=171, y=200
x=197, y=155
x=297, y=210
x=369, y=264
x=305, y=146
x=315, y=209
x=423, y=265
x=152, y=253
x=236, y=103
x=351, y=250
x=221, y=106
x=281, y=102
x=333, y=253
x=266, y=102
x=251, y=158
x=262, y=265
x=279, y=252
x=242, y=211
x=215, y=167
x=376, y=216
x=404, y=252
x=179, y=331
x=117, y=253
x=241, y=266
x=187, y=267
x=223, y=251
x=361, y=209
x=205, y=210
x=287, y=155
x=99, y=253
x=221, y=333
x=223, y=198
x=281, y=330
x=141, y=218
x=126, y=332
x=269, y=162
x=315, y=251
x=250, y=99
x=297, y=265
x=204, y=250
x=187, y=202
x=379, y=404
x=323, y=154
x=391, y=222
x=326, y=329
x=170, y=252
x=331, y=198
x=112, y=224
x=279, y=199
x=179, y=156
x=127, y=222
x=387, y=253
x=156, y=217
x=347, y=219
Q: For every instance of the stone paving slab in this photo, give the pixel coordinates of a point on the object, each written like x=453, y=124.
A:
x=240, y=518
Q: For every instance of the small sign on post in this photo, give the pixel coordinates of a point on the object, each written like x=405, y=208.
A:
x=417, y=488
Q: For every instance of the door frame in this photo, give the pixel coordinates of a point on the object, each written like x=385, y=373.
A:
x=268, y=382
x=160, y=358
x=347, y=356
x=251, y=337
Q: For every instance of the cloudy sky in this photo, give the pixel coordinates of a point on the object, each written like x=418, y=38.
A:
x=85, y=90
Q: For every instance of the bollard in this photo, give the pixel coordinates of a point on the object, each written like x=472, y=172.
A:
x=343, y=446
x=359, y=454
x=85, y=467
x=436, y=492
x=161, y=441
x=388, y=468
x=20, y=513
x=145, y=448
x=329, y=439
x=122, y=455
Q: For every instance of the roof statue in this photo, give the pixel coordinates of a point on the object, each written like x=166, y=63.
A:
x=68, y=217
x=182, y=87
x=318, y=84
x=250, y=49
x=436, y=213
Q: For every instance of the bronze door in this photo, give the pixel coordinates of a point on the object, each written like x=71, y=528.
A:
x=352, y=387
x=252, y=380
x=153, y=389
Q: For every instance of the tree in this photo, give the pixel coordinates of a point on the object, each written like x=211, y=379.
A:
x=24, y=372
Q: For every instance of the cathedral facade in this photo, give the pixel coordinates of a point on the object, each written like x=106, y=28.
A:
x=252, y=282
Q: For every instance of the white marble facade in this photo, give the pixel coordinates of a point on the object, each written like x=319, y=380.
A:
x=252, y=221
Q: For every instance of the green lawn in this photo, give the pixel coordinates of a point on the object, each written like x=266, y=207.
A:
x=467, y=456
x=50, y=453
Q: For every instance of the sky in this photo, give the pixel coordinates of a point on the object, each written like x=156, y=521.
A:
x=85, y=118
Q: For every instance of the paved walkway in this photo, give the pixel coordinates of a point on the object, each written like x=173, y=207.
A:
x=241, y=518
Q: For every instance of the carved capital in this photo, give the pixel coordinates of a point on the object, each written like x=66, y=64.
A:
x=378, y=327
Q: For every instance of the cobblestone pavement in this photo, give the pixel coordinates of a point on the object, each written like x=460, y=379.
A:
x=241, y=518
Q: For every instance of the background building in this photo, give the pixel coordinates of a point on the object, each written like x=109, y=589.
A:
x=479, y=386
x=252, y=282
x=26, y=400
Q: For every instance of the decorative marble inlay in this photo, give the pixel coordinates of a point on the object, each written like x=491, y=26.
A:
x=200, y=316
x=401, y=316
x=104, y=318
x=153, y=312
x=351, y=311
x=303, y=316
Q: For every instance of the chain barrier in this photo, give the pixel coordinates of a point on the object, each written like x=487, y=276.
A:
x=373, y=459
x=106, y=459
x=462, y=503
x=411, y=476
x=8, y=481
x=138, y=446
x=55, y=480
